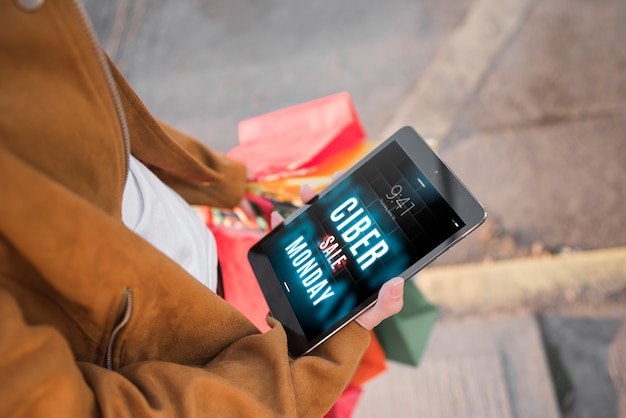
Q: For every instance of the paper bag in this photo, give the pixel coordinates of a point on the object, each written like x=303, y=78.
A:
x=293, y=141
x=404, y=336
x=372, y=364
x=345, y=405
x=241, y=288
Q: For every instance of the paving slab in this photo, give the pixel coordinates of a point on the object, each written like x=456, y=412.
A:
x=559, y=187
x=474, y=368
x=581, y=349
x=542, y=139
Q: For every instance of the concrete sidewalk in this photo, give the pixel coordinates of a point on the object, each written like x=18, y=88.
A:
x=525, y=97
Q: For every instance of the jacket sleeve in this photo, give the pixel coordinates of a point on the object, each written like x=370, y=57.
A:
x=226, y=190
x=200, y=175
x=251, y=378
x=183, y=352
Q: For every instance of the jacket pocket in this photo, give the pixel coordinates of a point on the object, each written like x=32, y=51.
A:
x=123, y=316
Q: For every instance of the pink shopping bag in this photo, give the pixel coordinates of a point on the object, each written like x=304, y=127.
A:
x=293, y=141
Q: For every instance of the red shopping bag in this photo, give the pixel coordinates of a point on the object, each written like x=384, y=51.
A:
x=240, y=286
x=293, y=141
x=345, y=405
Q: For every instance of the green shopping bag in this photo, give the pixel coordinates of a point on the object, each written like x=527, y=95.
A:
x=404, y=336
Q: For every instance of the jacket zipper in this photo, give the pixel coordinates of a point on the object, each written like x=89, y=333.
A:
x=127, y=300
x=109, y=79
x=126, y=308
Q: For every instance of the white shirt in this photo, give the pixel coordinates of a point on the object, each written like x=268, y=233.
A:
x=163, y=218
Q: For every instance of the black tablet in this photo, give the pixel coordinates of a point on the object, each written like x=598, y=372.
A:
x=389, y=215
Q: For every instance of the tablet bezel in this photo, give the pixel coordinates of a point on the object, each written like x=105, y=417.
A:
x=442, y=178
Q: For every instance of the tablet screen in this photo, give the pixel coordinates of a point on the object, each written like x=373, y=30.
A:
x=370, y=227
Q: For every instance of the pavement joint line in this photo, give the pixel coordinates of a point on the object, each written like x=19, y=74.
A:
x=510, y=283
x=459, y=66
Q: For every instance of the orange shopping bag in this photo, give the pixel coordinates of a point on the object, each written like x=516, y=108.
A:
x=372, y=364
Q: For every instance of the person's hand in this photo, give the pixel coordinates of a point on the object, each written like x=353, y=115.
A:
x=390, y=295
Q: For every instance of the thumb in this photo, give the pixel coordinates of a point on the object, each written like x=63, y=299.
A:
x=275, y=219
x=389, y=303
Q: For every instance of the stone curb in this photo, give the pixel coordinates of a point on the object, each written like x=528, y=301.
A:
x=513, y=283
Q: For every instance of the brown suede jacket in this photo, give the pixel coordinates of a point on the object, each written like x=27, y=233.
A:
x=94, y=321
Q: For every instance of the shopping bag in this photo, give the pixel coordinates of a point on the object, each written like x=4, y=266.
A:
x=372, y=364
x=345, y=405
x=241, y=288
x=293, y=141
x=405, y=335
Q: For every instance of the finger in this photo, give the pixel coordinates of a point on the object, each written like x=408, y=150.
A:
x=275, y=219
x=250, y=175
x=336, y=175
x=389, y=303
x=246, y=214
x=307, y=193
